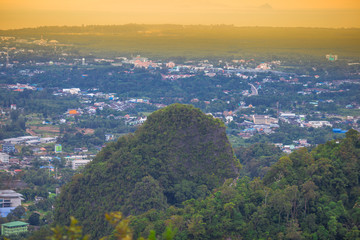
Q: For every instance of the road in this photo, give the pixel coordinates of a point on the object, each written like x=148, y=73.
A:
x=254, y=91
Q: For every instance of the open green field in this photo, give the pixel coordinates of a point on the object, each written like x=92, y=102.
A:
x=33, y=119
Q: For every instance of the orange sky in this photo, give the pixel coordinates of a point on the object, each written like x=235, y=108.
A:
x=287, y=13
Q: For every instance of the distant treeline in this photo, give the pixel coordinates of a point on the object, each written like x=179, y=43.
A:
x=197, y=41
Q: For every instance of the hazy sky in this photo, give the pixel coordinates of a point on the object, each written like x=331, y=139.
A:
x=306, y=13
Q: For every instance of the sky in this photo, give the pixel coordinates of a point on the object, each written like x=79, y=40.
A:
x=275, y=13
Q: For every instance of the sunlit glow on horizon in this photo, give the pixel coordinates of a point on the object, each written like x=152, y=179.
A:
x=276, y=13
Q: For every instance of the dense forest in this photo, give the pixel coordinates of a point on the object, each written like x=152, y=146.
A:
x=306, y=195
x=178, y=154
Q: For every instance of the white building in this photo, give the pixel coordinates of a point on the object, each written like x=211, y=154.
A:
x=229, y=119
x=76, y=164
x=287, y=115
x=10, y=198
x=71, y=90
x=4, y=158
x=142, y=120
x=318, y=124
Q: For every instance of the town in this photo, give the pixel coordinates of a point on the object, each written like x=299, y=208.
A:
x=237, y=106
x=60, y=108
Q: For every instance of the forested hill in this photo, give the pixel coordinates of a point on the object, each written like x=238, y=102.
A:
x=306, y=195
x=178, y=154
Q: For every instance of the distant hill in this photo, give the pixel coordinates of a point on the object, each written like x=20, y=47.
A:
x=178, y=154
x=199, y=41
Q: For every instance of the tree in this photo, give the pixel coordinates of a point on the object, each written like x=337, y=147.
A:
x=293, y=231
x=34, y=219
x=309, y=192
x=169, y=233
x=18, y=212
x=58, y=162
x=122, y=230
x=196, y=226
x=72, y=232
x=146, y=195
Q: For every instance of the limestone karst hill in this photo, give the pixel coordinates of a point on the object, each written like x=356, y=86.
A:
x=178, y=154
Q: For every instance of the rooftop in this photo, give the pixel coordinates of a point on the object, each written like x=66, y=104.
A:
x=9, y=193
x=15, y=224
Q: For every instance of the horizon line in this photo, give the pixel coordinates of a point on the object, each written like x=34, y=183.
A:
x=178, y=24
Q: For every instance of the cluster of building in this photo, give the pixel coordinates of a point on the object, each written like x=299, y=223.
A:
x=19, y=87
x=244, y=69
x=258, y=124
x=9, y=200
x=296, y=145
x=187, y=69
x=300, y=120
